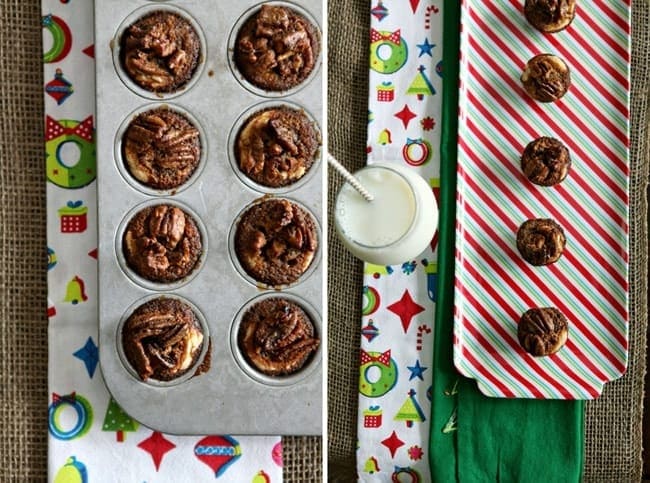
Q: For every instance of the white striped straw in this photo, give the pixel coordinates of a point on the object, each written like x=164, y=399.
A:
x=354, y=182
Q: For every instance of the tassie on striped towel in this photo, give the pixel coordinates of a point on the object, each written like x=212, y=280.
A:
x=589, y=284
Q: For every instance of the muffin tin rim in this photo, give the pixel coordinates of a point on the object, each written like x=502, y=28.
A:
x=191, y=371
x=134, y=16
x=256, y=375
x=139, y=280
x=232, y=39
x=238, y=267
x=239, y=124
x=120, y=162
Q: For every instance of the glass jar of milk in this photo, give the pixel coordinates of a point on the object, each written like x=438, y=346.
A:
x=397, y=225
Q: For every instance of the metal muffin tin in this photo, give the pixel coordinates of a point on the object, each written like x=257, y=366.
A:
x=230, y=397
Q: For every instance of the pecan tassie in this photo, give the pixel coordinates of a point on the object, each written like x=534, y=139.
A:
x=162, y=339
x=160, y=51
x=546, y=161
x=277, y=48
x=546, y=78
x=277, y=337
x=540, y=241
x=550, y=16
x=277, y=146
x=162, y=243
x=276, y=241
x=161, y=148
x=542, y=331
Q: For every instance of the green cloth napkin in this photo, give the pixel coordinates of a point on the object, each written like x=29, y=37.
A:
x=476, y=439
x=518, y=440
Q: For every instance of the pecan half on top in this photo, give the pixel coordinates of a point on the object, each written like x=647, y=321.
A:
x=546, y=78
x=277, y=48
x=277, y=337
x=162, y=243
x=160, y=51
x=276, y=241
x=540, y=241
x=550, y=16
x=546, y=161
x=161, y=148
x=542, y=331
x=162, y=339
x=277, y=146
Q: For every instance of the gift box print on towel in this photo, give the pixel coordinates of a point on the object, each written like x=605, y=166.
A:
x=90, y=437
x=398, y=301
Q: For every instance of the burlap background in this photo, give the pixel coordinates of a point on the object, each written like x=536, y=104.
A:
x=613, y=432
x=23, y=290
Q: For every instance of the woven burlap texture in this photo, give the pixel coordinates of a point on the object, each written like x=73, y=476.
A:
x=613, y=422
x=23, y=284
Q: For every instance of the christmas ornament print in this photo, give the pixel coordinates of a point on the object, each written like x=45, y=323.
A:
x=59, y=88
x=73, y=471
x=218, y=452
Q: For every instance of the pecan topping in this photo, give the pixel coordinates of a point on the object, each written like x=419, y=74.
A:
x=276, y=49
x=276, y=241
x=540, y=241
x=277, y=337
x=161, y=148
x=162, y=339
x=162, y=243
x=160, y=51
x=542, y=331
x=550, y=15
x=277, y=146
x=546, y=78
x=546, y=161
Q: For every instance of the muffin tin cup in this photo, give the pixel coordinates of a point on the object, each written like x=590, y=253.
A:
x=116, y=47
x=121, y=162
x=277, y=381
x=232, y=39
x=197, y=363
x=250, y=279
x=226, y=399
x=139, y=279
x=232, y=141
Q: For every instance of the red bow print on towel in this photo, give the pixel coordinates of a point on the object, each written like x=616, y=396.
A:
x=69, y=398
x=54, y=129
x=383, y=358
x=377, y=36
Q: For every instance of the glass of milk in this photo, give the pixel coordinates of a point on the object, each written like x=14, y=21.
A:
x=397, y=225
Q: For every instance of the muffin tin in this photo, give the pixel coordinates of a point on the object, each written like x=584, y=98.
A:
x=230, y=397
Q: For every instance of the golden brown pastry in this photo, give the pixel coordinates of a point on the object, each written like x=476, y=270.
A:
x=542, y=331
x=162, y=339
x=546, y=78
x=277, y=337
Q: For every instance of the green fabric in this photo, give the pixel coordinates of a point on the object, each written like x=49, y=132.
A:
x=518, y=440
x=475, y=439
x=442, y=440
